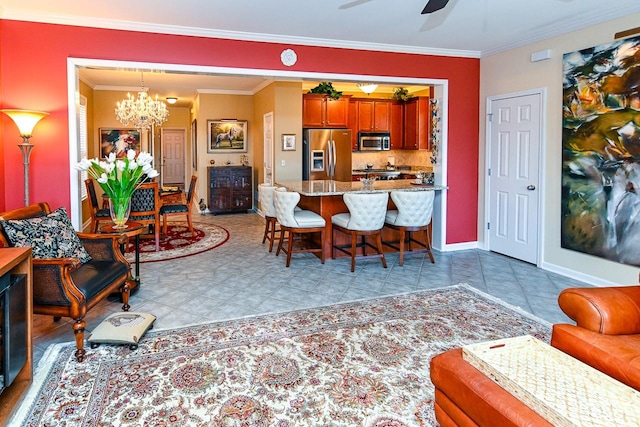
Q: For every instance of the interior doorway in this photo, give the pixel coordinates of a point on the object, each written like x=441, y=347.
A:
x=514, y=129
x=268, y=148
x=74, y=65
x=172, y=150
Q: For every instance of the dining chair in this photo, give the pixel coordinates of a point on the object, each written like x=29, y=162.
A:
x=97, y=213
x=268, y=208
x=365, y=218
x=179, y=209
x=296, y=223
x=145, y=208
x=413, y=214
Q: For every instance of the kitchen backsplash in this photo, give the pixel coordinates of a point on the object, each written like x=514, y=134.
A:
x=417, y=159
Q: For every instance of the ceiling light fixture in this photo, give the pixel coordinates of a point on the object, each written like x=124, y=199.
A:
x=367, y=88
x=172, y=99
x=143, y=111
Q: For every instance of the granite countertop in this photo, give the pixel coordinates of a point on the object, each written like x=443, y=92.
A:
x=338, y=188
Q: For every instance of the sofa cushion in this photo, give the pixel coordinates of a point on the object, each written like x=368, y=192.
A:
x=51, y=236
x=466, y=396
x=616, y=355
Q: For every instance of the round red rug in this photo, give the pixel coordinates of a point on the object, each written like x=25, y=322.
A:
x=179, y=243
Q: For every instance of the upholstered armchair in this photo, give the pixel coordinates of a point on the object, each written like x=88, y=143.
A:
x=67, y=286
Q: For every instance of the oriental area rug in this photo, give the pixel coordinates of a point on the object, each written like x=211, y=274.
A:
x=179, y=242
x=364, y=363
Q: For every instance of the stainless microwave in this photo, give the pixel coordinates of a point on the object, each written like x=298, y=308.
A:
x=370, y=141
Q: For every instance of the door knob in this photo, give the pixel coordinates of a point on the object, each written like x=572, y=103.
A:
x=531, y=187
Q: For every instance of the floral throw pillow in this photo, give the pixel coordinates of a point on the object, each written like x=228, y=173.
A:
x=50, y=236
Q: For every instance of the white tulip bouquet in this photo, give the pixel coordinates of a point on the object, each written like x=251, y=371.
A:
x=119, y=178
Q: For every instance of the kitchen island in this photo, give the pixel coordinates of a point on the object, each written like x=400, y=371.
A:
x=324, y=197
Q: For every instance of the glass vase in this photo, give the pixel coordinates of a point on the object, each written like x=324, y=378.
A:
x=119, y=208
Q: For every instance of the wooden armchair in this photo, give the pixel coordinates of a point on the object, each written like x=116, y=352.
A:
x=65, y=286
x=145, y=208
x=180, y=209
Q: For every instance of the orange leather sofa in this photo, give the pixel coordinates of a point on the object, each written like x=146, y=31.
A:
x=606, y=336
x=607, y=331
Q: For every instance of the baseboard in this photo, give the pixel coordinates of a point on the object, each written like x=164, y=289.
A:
x=573, y=274
x=458, y=247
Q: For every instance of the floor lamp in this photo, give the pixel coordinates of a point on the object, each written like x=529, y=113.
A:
x=25, y=120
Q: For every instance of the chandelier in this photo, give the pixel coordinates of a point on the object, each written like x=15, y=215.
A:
x=143, y=111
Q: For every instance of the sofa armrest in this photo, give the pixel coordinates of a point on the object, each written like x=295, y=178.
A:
x=609, y=310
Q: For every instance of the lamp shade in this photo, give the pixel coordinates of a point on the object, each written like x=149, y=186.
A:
x=25, y=120
x=367, y=88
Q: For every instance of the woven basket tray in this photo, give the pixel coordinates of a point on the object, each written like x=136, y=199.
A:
x=561, y=389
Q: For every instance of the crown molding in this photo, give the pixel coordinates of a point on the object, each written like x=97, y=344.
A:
x=19, y=15
x=560, y=29
x=225, y=92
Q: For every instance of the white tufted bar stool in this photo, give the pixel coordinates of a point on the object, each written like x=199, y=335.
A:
x=365, y=218
x=415, y=209
x=296, y=222
x=268, y=208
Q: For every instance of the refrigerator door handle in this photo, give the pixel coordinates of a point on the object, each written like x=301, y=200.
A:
x=334, y=159
x=330, y=159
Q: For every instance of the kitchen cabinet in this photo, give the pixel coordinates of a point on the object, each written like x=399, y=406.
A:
x=396, y=125
x=321, y=111
x=17, y=261
x=374, y=115
x=353, y=125
x=230, y=189
x=416, y=120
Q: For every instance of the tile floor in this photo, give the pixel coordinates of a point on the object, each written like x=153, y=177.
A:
x=242, y=278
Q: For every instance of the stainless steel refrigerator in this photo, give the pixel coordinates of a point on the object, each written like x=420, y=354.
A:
x=326, y=154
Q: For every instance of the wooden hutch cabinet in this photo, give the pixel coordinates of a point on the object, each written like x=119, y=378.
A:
x=230, y=189
x=321, y=111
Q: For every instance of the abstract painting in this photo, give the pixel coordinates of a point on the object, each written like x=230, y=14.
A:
x=601, y=151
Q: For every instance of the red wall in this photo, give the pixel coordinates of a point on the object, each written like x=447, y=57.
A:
x=33, y=75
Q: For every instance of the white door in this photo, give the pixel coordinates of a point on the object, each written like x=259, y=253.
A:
x=268, y=148
x=514, y=129
x=173, y=156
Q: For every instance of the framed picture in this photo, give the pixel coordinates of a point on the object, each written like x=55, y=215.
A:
x=288, y=142
x=227, y=136
x=118, y=141
x=194, y=144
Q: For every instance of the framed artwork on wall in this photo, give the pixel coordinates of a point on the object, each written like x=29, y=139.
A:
x=194, y=144
x=118, y=141
x=288, y=142
x=601, y=151
x=226, y=136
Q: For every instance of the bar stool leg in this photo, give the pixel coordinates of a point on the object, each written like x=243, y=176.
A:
x=402, y=237
x=379, y=243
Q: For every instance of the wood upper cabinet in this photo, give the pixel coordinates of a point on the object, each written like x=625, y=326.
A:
x=416, y=124
x=396, y=125
x=321, y=111
x=374, y=115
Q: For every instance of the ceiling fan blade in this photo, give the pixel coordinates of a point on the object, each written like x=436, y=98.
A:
x=353, y=4
x=434, y=6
